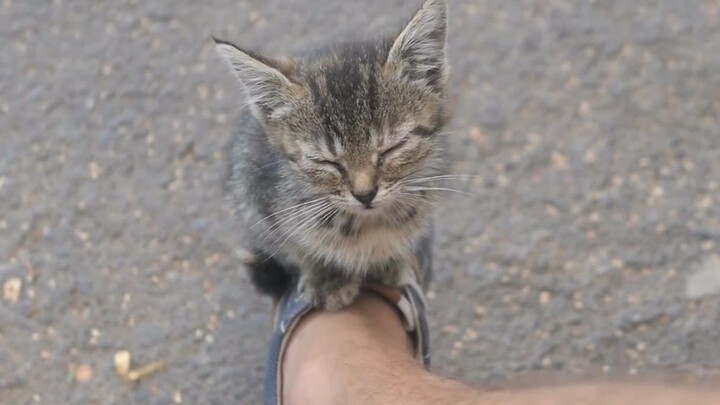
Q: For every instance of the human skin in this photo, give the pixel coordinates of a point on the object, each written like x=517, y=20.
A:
x=362, y=356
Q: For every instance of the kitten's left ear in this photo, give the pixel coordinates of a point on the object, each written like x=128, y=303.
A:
x=418, y=53
x=269, y=90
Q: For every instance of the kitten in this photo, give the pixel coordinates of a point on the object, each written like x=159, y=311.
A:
x=334, y=165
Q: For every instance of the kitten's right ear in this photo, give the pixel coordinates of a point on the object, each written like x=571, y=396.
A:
x=270, y=92
x=418, y=53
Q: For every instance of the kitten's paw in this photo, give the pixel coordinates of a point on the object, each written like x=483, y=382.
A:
x=333, y=299
x=342, y=297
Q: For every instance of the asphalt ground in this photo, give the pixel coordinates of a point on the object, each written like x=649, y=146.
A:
x=591, y=244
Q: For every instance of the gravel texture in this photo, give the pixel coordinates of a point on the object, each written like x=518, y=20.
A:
x=592, y=243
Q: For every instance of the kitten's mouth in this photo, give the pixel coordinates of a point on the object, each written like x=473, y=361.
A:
x=364, y=210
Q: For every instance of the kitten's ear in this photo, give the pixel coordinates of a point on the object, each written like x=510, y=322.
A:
x=418, y=53
x=269, y=91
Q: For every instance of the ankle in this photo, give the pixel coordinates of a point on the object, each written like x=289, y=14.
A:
x=326, y=348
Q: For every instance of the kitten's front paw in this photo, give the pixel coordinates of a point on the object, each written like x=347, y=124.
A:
x=332, y=299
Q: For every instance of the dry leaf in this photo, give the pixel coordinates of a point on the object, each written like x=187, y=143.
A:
x=122, y=367
x=142, y=372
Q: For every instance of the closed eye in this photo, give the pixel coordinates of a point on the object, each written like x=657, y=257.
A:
x=392, y=149
x=337, y=166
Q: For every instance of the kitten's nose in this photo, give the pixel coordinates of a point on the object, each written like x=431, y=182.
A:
x=366, y=197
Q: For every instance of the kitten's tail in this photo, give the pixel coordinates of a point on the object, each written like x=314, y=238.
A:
x=269, y=276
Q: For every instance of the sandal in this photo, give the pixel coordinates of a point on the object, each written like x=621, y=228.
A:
x=408, y=299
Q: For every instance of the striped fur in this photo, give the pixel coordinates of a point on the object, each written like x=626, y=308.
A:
x=331, y=161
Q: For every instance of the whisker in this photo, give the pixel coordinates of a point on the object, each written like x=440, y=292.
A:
x=441, y=189
x=414, y=172
x=288, y=234
x=257, y=169
x=303, y=226
x=289, y=217
x=281, y=226
x=286, y=209
x=413, y=199
x=443, y=177
x=445, y=133
x=410, y=196
x=325, y=217
x=293, y=216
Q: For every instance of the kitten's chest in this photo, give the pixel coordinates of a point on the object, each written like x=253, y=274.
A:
x=357, y=242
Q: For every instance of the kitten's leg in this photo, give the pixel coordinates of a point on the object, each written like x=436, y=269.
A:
x=329, y=288
x=395, y=273
x=415, y=268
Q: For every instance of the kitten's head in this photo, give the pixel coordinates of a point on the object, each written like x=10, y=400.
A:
x=358, y=123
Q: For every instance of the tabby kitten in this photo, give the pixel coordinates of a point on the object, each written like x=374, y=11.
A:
x=333, y=168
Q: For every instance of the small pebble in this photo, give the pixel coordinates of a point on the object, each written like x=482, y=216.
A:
x=84, y=373
x=545, y=297
x=477, y=135
x=470, y=335
x=480, y=311
x=559, y=161
x=94, y=170
x=203, y=92
x=11, y=290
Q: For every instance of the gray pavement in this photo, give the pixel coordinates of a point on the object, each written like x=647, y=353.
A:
x=592, y=244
